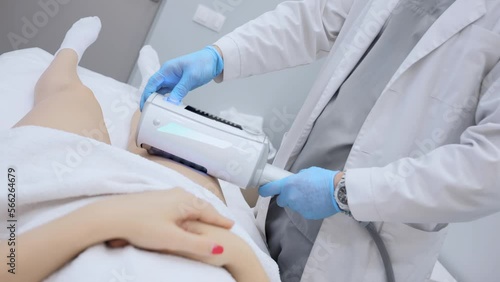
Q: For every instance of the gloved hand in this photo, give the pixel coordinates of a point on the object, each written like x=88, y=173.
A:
x=183, y=74
x=309, y=192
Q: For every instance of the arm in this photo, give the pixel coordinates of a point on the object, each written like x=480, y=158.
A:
x=159, y=214
x=453, y=183
x=58, y=241
x=244, y=265
x=295, y=33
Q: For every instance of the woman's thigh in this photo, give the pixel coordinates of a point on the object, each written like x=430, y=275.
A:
x=74, y=110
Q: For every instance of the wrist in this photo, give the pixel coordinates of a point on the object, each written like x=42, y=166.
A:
x=337, y=179
x=89, y=228
x=219, y=61
x=341, y=195
x=218, y=51
x=102, y=222
x=238, y=251
x=245, y=266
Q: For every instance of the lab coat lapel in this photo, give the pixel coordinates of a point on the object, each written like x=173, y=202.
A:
x=352, y=48
x=458, y=16
x=344, y=60
x=361, y=36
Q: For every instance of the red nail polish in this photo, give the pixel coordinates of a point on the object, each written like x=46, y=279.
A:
x=217, y=250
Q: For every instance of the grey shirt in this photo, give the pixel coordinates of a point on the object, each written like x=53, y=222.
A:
x=290, y=237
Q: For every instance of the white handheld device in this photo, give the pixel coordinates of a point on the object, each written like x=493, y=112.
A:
x=206, y=143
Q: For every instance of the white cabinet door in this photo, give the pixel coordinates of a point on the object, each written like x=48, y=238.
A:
x=43, y=23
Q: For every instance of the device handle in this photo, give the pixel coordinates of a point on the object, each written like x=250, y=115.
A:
x=272, y=173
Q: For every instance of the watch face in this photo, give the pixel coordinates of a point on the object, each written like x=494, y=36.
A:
x=342, y=196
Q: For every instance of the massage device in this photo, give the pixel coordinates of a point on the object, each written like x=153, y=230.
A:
x=207, y=143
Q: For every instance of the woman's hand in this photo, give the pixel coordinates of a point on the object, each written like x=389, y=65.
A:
x=190, y=230
x=234, y=246
x=238, y=258
x=150, y=221
x=154, y=221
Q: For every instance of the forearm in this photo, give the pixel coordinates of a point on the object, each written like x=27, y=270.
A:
x=247, y=268
x=45, y=249
x=337, y=178
x=454, y=183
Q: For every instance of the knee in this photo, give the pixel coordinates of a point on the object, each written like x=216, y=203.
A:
x=49, y=86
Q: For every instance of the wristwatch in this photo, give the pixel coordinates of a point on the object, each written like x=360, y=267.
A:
x=341, y=196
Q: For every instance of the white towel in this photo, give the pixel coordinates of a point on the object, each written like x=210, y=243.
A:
x=58, y=172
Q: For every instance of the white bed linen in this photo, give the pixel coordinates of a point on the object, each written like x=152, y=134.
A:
x=58, y=172
x=19, y=72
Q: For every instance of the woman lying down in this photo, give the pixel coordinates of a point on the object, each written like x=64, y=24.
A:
x=172, y=219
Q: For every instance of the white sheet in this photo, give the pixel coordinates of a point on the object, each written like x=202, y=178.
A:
x=19, y=72
x=52, y=180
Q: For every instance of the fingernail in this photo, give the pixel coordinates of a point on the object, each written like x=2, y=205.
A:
x=173, y=101
x=217, y=250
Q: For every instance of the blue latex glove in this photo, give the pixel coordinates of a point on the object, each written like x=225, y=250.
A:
x=309, y=192
x=183, y=74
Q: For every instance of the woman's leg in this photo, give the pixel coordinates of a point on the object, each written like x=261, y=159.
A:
x=148, y=63
x=61, y=100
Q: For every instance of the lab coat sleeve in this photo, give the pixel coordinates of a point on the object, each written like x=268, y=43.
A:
x=453, y=183
x=295, y=33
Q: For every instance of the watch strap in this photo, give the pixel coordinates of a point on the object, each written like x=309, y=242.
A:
x=341, y=196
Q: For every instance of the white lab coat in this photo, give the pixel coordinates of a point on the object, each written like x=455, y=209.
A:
x=429, y=151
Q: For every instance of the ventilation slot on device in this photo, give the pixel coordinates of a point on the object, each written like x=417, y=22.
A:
x=213, y=117
x=157, y=152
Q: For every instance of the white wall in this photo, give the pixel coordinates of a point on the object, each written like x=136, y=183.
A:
x=471, y=251
x=275, y=96
x=43, y=24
